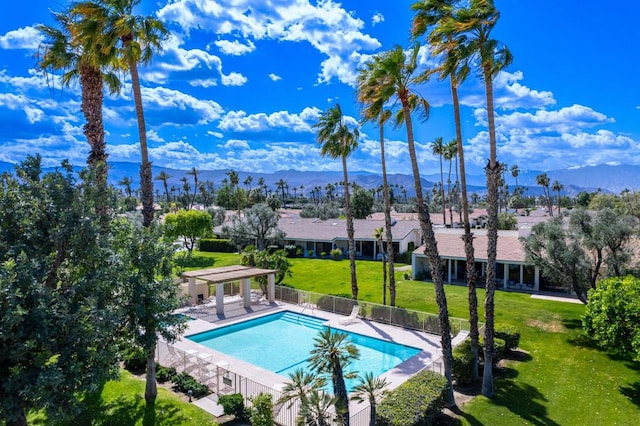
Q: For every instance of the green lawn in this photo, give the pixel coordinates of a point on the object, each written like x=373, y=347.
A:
x=121, y=403
x=561, y=379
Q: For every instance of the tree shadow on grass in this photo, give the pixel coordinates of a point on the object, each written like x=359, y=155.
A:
x=195, y=261
x=523, y=400
x=632, y=392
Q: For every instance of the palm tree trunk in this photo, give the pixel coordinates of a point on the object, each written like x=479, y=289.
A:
x=340, y=390
x=387, y=222
x=431, y=251
x=350, y=231
x=467, y=237
x=146, y=178
x=493, y=176
x=444, y=208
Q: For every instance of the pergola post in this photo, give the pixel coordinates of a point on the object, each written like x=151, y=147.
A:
x=220, y=298
x=245, y=285
x=271, y=290
x=192, y=290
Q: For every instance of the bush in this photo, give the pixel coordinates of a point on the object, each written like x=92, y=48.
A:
x=510, y=335
x=462, y=371
x=184, y=383
x=499, y=350
x=415, y=402
x=135, y=359
x=220, y=245
x=292, y=250
x=165, y=374
x=262, y=410
x=336, y=254
x=233, y=405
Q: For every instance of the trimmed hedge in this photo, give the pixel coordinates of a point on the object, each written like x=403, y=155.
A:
x=221, y=245
x=416, y=402
x=233, y=405
x=510, y=335
x=184, y=383
x=462, y=371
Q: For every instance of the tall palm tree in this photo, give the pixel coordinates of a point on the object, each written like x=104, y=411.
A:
x=470, y=27
x=450, y=152
x=234, y=180
x=557, y=187
x=371, y=112
x=194, y=172
x=164, y=177
x=338, y=141
x=84, y=57
x=438, y=148
x=391, y=76
x=370, y=388
x=544, y=181
x=515, y=172
x=332, y=354
x=136, y=39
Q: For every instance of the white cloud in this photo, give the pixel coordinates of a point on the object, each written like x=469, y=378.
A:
x=170, y=100
x=23, y=38
x=214, y=134
x=234, y=47
x=234, y=79
x=564, y=120
x=274, y=77
x=239, y=121
x=328, y=27
x=510, y=94
x=236, y=144
x=377, y=18
x=206, y=83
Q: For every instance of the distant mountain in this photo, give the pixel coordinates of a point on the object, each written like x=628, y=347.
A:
x=591, y=178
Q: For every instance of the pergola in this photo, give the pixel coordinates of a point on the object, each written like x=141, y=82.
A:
x=225, y=274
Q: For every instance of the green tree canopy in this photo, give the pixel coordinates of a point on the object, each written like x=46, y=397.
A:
x=612, y=317
x=361, y=203
x=190, y=225
x=258, y=226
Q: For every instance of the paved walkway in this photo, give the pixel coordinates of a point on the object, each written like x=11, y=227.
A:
x=556, y=298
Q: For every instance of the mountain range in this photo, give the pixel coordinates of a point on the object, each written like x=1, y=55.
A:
x=607, y=178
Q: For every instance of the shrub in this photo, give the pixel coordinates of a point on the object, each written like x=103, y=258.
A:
x=165, y=374
x=415, y=402
x=498, y=353
x=510, y=335
x=292, y=250
x=462, y=371
x=184, y=383
x=336, y=254
x=310, y=253
x=262, y=410
x=220, y=245
x=233, y=405
x=135, y=359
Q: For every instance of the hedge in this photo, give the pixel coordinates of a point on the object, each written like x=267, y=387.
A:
x=416, y=402
x=462, y=371
x=221, y=245
x=510, y=335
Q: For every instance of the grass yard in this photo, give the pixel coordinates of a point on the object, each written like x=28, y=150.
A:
x=560, y=378
x=121, y=403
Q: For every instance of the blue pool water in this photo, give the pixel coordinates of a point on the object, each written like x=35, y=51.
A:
x=281, y=343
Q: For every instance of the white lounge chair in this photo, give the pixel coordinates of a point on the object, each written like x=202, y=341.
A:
x=353, y=316
x=171, y=356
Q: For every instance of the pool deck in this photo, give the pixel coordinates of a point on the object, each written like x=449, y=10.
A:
x=206, y=319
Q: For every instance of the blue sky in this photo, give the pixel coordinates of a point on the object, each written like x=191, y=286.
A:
x=240, y=84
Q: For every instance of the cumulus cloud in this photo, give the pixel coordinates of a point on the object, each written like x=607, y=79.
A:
x=274, y=77
x=377, y=18
x=240, y=121
x=234, y=79
x=328, y=27
x=236, y=144
x=22, y=38
x=234, y=47
x=177, y=104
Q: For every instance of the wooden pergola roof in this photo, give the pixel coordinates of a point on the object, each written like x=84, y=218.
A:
x=226, y=274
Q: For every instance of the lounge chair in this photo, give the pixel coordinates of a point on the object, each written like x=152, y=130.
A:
x=171, y=355
x=353, y=316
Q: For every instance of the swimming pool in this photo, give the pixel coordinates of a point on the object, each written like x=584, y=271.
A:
x=281, y=342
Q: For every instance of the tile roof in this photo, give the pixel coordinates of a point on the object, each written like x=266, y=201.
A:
x=327, y=230
x=450, y=245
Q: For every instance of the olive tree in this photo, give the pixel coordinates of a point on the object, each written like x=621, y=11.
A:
x=258, y=226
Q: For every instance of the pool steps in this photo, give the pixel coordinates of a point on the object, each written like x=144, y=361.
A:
x=304, y=320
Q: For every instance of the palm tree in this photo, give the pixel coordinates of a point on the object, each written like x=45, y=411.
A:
x=83, y=57
x=164, y=177
x=299, y=386
x=247, y=182
x=371, y=112
x=544, y=181
x=377, y=234
x=337, y=141
x=280, y=185
x=370, y=388
x=450, y=151
x=234, y=181
x=136, y=39
x=126, y=182
x=515, y=172
x=438, y=148
x=470, y=28
x=331, y=354
x=391, y=75
x=316, y=410
x=194, y=172
x=557, y=187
